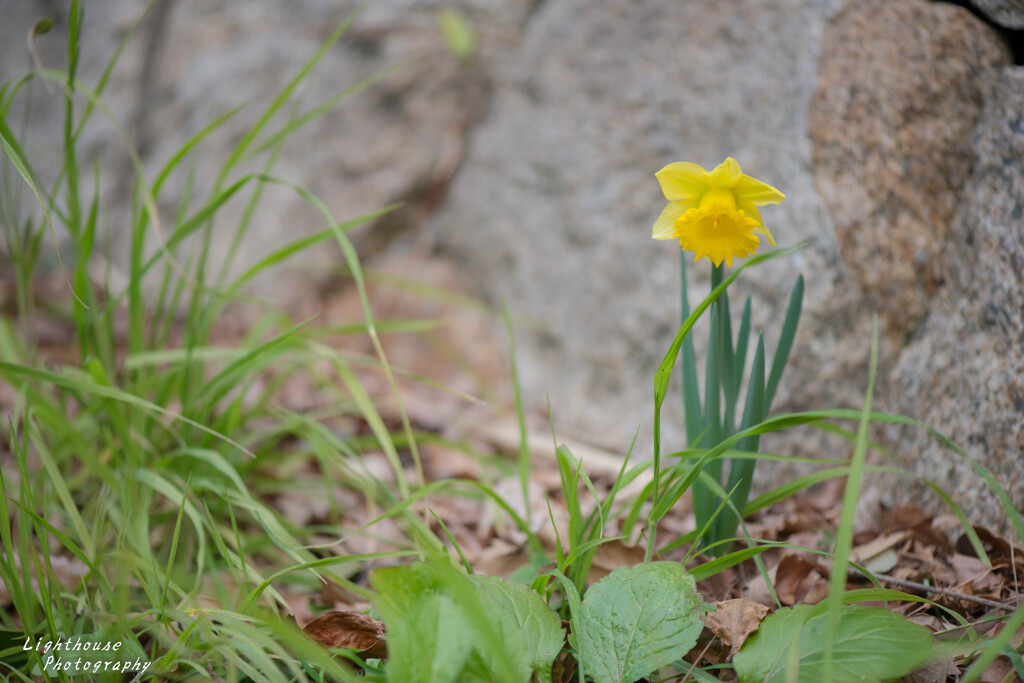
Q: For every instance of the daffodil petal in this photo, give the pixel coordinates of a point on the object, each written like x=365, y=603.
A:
x=725, y=175
x=761, y=230
x=751, y=210
x=681, y=180
x=764, y=230
x=752, y=190
x=664, y=226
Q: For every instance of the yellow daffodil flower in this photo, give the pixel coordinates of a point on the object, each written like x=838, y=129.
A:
x=714, y=213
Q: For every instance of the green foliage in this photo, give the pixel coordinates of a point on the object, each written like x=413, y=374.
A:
x=844, y=534
x=465, y=628
x=710, y=424
x=707, y=423
x=871, y=644
x=629, y=624
x=430, y=643
x=521, y=615
x=638, y=620
x=151, y=466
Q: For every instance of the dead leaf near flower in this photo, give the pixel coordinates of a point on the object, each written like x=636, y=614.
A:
x=799, y=581
x=499, y=558
x=563, y=669
x=936, y=670
x=734, y=620
x=918, y=524
x=878, y=555
x=351, y=630
x=1000, y=550
x=972, y=574
x=998, y=671
x=723, y=585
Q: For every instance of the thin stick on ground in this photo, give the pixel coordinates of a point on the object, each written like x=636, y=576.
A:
x=903, y=583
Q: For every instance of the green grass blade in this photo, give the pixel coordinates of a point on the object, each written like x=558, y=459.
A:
x=742, y=342
x=691, y=391
x=796, y=300
x=326, y=106
x=190, y=145
x=725, y=500
x=21, y=164
x=726, y=361
x=572, y=597
x=995, y=647
x=722, y=563
x=741, y=472
x=844, y=533
x=703, y=498
x=14, y=370
x=523, y=464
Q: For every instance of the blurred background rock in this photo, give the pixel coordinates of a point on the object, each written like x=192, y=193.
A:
x=896, y=129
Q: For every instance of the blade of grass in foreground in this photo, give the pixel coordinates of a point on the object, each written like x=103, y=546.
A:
x=844, y=534
x=524, y=445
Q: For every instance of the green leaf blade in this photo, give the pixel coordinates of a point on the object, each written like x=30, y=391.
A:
x=871, y=644
x=638, y=620
x=796, y=302
x=431, y=644
x=524, y=620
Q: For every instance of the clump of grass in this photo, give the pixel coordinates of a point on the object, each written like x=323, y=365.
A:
x=145, y=464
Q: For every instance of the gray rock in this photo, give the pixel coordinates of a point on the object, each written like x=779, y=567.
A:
x=553, y=209
x=1008, y=13
x=891, y=124
x=963, y=372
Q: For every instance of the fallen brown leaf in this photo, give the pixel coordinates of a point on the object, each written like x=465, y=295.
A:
x=867, y=551
x=798, y=581
x=734, y=620
x=936, y=670
x=352, y=630
x=722, y=585
x=610, y=556
x=970, y=571
x=563, y=669
x=1000, y=550
x=918, y=523
x=998, y=671
x=500, y=558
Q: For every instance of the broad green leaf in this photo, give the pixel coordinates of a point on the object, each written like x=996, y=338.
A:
x=525, y=621
x=400, y=588
x=430, y=644
x=871, y=644
x=508, y=631
x=638, y=620
x=511, y=658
